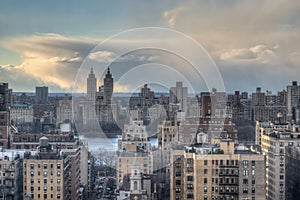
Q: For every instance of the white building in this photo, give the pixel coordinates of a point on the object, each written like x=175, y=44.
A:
x=21, y=113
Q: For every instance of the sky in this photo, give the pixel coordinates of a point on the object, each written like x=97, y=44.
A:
x=253, y=43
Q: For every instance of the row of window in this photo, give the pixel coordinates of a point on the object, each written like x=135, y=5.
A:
x=45, y=173
x=58, y=188
x=45, y=196
x=45, y=166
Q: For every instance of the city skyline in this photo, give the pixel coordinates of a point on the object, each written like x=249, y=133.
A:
x=45, y=43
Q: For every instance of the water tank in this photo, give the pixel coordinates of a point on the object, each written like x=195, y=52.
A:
x=44, y=141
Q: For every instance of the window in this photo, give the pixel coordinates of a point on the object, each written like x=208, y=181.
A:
x=45, y=166
x=281, y=177
x=135, y=185
x=205, y=162
x=253, y=190
x=190, y=196
x=31, y=173
x=58, y=180
x=190, y=169
x=253, y=163
x=58, y=173
x=245, y=190
x=245, y=172
x=45, y=174
x=31, y=166
x=205, y=180
x=245, y=181
x=178, y=174
x=177, y=190
x=190, y=178
x=253, y=181
x=245, y=163
x=58, y=166
x=45, y=181
x=205, y=189
x=178, y=182
x=253, y=172
x=190, y=161
x=190, y=186
x=205, y=171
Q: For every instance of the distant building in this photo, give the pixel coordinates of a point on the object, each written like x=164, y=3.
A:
x=293, y=97
x=41, y=95
x=108, y=87
x=208, y=171
x=266, y=107
x=179, y=95
x=89, y=108
x=64, y=111
x=21, y=114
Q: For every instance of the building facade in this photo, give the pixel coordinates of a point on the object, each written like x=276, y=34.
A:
x=207, y=171
x=273, y=145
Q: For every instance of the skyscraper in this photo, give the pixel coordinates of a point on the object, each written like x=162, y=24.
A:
x=91, y=86
x=108, y=87
x=41, y=95
x=90, y=113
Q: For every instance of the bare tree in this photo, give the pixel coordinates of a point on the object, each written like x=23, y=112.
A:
x=107, y=159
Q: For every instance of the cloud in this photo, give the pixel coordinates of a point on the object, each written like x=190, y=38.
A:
x=171, y=16
x=102, y=56
x=50, y=58
x=260, y=53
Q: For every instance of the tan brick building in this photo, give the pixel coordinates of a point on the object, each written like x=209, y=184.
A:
x=206, y=171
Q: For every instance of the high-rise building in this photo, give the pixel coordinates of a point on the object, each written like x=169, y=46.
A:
x=4, y=96
x=41, y=95
x=211, y=171
x=292, y=180
x=273, y=146
x=213, y=104
x=267, y=107
x=293, y=96
x=91, y=86
x=178, y=95
x=89, y=108
x=108, y=87
x=258, y=98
